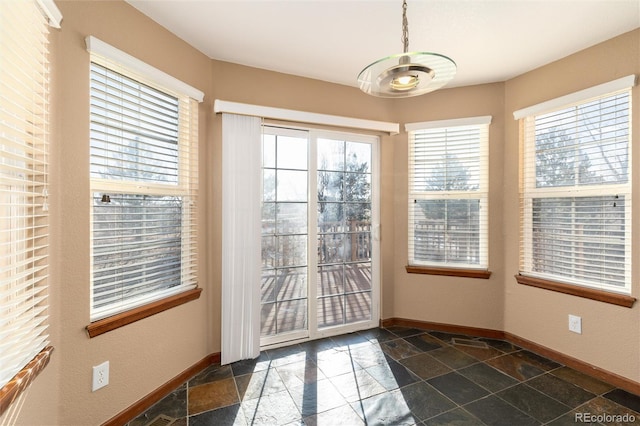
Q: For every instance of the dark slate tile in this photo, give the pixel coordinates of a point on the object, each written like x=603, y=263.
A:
x=425, y=401
x=247, y=366
x=424, y=342
x=285, y=355
x=537, y=360
x=625, y=399
x=488, y=377
x=368, y=355
x=227, y=416
x=565, y=392
x=213, y=395
x=350, y=339
x=274, y=409
x=344, y=415
x=316, y=397
x=374, y=377
x=211, y=374
x=533, y=403
x=258, y=384
x=392, y=375
x=455, y=417
x=516, y=367
x=358, y=385
x=335, y=362
x=582, y=380
x=399, y=349
x=378, y=335
x=458, y=388
x=313, y=347
x=389, y=408
x=299, y=373
x=448, y=337
x=453, y=357
x=501, y=345
x=425, y=366
x=480, y=353
x=404, y=331
x=173, y=405
x=494, y=411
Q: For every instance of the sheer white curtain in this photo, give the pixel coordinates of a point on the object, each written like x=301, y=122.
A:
x=241, y=215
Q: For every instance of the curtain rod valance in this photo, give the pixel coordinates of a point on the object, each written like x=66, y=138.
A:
x=454, y=122
x=221, y=106
x=99, y=47
x=579, y=96
x=53, y=14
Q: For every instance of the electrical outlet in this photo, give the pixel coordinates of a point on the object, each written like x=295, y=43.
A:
x=575, y=324
x=100, y=376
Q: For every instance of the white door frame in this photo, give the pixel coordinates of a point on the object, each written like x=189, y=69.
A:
x=312, y=331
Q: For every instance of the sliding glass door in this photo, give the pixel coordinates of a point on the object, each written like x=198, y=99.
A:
x=319, y=255
x=344, y=213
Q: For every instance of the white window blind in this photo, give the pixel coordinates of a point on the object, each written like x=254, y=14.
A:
x=576, y=193
x=24, y=136
x=143, y=167
x=448, y=193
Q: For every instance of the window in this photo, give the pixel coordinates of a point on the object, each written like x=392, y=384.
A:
x=143, y=168
x=448, y=200
x=24, y=139
x=576, y=189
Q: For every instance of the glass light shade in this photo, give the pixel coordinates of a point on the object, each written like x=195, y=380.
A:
x=407, y=74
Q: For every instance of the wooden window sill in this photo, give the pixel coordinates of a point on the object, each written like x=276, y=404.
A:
x=23, y=379
x=451, y=272
x=105, y=325
x=574, y=290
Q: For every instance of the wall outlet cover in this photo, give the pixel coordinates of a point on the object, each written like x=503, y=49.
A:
x=100, y=376
x=575, y=324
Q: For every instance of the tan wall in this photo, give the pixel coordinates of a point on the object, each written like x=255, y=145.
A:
x=146, y=354
x=610, y=336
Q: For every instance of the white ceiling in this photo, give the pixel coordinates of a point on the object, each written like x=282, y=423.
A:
x=333, y=40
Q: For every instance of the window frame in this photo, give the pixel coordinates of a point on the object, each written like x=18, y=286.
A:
x=528, y=192
x=185, y=187
x=481, y=270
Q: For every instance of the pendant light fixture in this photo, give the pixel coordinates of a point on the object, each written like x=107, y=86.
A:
x=406, y=74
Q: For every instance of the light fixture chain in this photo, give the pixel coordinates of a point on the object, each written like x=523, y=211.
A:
x=405, y=27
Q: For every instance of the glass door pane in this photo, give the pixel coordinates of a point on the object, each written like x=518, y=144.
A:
x=284, y=286
x=344, y=208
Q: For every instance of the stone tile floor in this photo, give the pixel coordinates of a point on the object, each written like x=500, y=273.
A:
x=396, y=376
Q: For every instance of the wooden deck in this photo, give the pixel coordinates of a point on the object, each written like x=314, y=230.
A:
x=343, y=297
